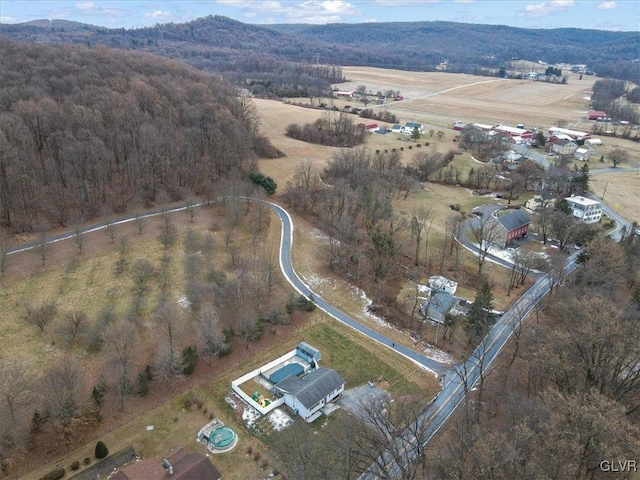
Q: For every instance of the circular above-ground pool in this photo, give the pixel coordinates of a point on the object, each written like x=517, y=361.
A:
x=222, y=438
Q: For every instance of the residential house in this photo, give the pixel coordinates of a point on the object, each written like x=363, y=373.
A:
x=307, y=395
x=585, y=209
x=438, y=306
x=510, y=227
x=545, y=200
x=443, y=284
x=177, y=465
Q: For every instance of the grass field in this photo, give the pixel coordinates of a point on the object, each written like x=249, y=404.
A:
x=354, y=357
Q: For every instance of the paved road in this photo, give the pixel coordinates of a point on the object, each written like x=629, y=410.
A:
x=531, y=155
x=288, y=271
x=461, y=381
x=293, y=278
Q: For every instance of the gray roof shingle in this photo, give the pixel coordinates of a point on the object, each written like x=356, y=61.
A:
x=513, y=220
x=315, y=386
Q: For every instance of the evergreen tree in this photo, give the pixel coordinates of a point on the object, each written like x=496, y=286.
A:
x=101, y=450
x=480, y=319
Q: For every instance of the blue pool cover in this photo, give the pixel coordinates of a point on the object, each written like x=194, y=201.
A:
x=284, y=372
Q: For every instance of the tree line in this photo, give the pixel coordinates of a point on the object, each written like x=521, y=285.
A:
x=84, y=132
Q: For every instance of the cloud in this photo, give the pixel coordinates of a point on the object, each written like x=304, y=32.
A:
x=310, y=11
x=85, y=6
x=7, y=19
x=608, y=5
x=395, y=3
x=157, y=14
x=544, y=9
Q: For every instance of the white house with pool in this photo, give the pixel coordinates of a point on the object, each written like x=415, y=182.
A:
x=295, y=380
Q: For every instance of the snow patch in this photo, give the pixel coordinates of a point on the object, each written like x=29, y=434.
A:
x=437, y=354
x=320, y=235
x=367, y=302
x=279, y=420
x=183, y=302
x=250, y=415
x=315, y=280
x=232, y=403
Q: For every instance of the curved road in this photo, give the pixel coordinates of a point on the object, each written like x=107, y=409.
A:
x=286, y=242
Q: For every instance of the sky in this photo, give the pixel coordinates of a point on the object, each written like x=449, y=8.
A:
x=617, y=15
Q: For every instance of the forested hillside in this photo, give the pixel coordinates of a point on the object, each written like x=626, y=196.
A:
x=88, y=131
x=282, y=58
x=469, y=48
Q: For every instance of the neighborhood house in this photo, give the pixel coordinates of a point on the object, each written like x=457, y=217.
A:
x=295, y=380
x=585, y=209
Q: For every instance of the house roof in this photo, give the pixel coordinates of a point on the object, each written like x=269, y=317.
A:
x=313, y=387
x=194, y=466
x=442, y=302
x=513, y=220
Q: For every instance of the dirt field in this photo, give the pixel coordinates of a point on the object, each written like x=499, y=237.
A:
x=439, y=99
x=622, y=192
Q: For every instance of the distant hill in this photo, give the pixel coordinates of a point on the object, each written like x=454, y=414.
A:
x=215, y=42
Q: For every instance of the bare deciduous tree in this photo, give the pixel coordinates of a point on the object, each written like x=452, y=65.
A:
x=16, y=385
x=64, y=391
x=43, y=315
x=210, y=333
x=74, y=323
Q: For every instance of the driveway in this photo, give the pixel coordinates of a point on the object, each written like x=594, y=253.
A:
x=355, y=399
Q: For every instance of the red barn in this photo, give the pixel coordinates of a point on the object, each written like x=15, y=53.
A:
x=506, y=131
x=511, y=226
x=596, y=114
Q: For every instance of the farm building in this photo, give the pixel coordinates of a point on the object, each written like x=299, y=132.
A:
x=582, y=154
x=563, y=147
x=507, y=131
x=307, y=395
x=343, y=94
x=483, y=127
x=576, y=135
x=585, y=209
x=369, y=126
x=596, y=114
x=396, y=128
x=593, y=141
x=459, y=126
x=510, y=227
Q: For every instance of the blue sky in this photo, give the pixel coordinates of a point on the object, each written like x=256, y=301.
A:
x=593, y=14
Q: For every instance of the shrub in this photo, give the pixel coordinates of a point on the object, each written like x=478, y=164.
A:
x=256, y=455
x=75, y=465
x=410, y=147
x=101, y=450
x=419, y=145
x=87, y=460
x=402, y=149
x=56, y=474
x=249, y=449
x=189, y=360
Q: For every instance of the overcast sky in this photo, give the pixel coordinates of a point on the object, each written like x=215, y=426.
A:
x=592, y=14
